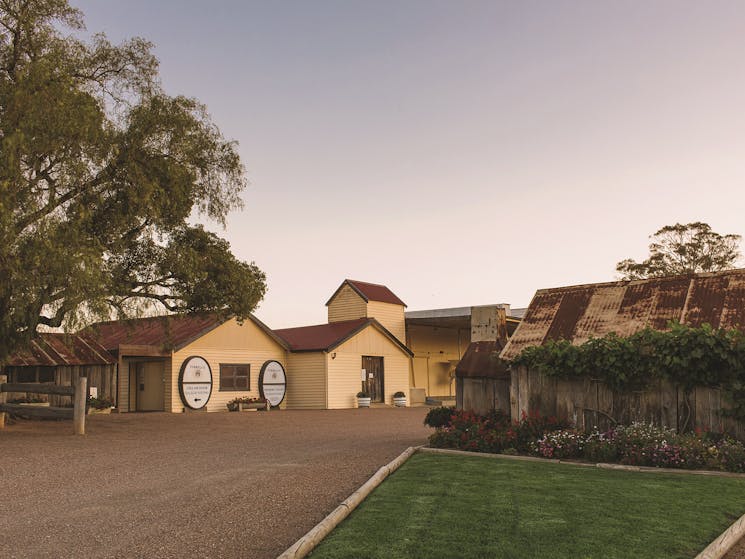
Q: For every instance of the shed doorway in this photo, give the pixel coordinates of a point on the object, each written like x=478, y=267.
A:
x=374, y=383
x=147, y=385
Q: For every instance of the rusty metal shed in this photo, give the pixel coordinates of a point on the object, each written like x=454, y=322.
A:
x=61, y=359
x=579, y=312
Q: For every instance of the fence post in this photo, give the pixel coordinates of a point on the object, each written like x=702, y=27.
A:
x=80, y=398
x=3, y=398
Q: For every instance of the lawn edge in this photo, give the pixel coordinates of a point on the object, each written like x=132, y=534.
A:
x=315, y=535
x=601, y=465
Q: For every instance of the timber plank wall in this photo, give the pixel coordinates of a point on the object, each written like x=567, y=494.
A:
x=589, y=403
x=103, y=377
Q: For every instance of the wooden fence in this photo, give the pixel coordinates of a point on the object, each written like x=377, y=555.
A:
x=589, y=403
x=79, y=394
x=102, y=377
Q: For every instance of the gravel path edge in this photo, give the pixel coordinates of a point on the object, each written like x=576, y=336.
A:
x=726, y=541
x=313, y=537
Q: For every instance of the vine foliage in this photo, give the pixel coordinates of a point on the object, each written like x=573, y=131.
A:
x=687, y=356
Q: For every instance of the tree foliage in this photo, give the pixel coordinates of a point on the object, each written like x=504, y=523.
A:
x=684, y=249
x=100, y=175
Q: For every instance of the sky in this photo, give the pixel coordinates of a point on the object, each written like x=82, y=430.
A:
x=462, y=152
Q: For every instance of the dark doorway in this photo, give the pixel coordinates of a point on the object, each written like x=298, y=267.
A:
x=374, y=382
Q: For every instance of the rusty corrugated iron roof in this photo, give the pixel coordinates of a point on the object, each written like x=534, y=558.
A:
x=167, y=332
x=52, y=349
x=370, y=292
x=579, y=312
x=481, y=360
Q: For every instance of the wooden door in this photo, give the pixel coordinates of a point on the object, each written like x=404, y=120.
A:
x=150, y=386
x=374, y=382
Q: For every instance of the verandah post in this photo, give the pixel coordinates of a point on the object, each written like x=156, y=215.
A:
x=3, y=398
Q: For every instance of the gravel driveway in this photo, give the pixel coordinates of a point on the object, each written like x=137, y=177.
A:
x=188, y=485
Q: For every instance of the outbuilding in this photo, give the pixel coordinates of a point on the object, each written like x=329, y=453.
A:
x=189, y=362
x=56, y=358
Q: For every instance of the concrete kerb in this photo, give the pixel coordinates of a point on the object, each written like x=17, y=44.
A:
x=310, y=540
x=715, y=550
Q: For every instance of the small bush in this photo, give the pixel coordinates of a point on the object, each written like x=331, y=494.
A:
x=438, y=417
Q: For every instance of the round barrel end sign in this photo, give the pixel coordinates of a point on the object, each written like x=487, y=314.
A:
x=195, y=382
x=273, y=382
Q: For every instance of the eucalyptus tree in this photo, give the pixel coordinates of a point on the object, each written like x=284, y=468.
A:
x=103, y=177
x=684, y=249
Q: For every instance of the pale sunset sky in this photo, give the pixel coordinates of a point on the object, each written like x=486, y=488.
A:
x=460, y=152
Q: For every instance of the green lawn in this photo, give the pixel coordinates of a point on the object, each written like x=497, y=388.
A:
x=439, y=506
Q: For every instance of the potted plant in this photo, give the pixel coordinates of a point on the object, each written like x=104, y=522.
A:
x=254, y=404
x=363, y=399
x=399, y=399
x=234, y=405
x=101, y=405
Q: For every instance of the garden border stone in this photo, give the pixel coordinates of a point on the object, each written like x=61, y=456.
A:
x=313, y=537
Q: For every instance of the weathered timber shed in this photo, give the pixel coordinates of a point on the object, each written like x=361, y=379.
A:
x=577, y=313
x=330, y=363
x=60, y=359
x=155, y=354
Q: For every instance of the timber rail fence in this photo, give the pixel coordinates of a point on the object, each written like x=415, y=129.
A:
x=79, y=394
x=589, y=403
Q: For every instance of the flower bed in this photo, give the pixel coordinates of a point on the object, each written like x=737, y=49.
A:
x=639, y=444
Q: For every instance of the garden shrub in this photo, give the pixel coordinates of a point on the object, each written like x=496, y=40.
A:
x=638, y=444
x=438, y=417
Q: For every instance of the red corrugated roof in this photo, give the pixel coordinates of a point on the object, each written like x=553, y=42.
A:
x=579, y=312
x=370, y=292
x=320, y=337
x=53, y=349
x=166, y=332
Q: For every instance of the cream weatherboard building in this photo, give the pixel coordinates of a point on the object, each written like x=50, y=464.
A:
x=361, y=347
x=368, y=343
x=151, y=352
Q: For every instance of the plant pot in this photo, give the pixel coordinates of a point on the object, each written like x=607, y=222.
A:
x=399, y=402
x=234, y=407
x=363, y=402
x=99, y=411
x=253, y=406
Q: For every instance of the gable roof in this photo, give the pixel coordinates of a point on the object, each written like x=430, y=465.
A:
x=326, y=337
x=169, y=331
x=51, y=349
x=369, y=292
x=579, y=312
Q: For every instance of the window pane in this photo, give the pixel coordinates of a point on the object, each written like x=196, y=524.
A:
x=234, y=376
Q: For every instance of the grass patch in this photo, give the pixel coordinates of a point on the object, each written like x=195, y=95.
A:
x=452, y=506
